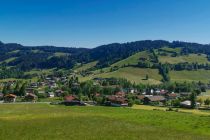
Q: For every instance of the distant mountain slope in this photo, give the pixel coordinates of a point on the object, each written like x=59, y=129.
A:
x=46, y=57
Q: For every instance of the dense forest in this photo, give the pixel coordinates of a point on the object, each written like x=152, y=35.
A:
x=42, y=57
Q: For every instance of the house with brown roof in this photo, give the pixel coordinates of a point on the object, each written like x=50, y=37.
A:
x=1, y=96
x=154, y=99
x=9, y=98
x=30, y=98
x=72, y=100
x=120, y=93
x=114, y=100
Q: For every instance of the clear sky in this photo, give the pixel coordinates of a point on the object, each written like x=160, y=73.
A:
x=89, y=23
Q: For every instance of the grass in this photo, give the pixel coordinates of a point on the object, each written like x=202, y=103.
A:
x=181, y=110
x=42, y=121
x=192, y=58
x=132, y=60
x=199, y=75
x=86, y=66
x=136, y=75
x=9, y=60
x=167, y=49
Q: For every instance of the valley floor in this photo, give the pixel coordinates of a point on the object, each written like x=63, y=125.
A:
x=43, y=121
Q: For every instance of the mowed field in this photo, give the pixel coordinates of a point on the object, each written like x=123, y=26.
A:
x=42, y=121
x=199, y=75
x=133, y=60
x=132, y=74
x=191, y=58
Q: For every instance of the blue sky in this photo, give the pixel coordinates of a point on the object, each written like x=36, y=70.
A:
x=89, y=23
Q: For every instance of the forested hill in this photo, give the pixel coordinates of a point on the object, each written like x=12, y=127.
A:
x=25, y=58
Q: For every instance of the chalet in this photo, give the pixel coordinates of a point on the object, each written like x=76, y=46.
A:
x=50, y=94
x=163, y=92
x=9, y=98
x=34, y=85
x=58, y=93
x=187, y=104
x=154, y=99
x=72, y=101
x=29, y=90
x=30, y=97
x=117, y=101
x=70, y=98
x=185, y=94
x=171, y=96
x=120, y=94
x=141, y=97
x=1, y=96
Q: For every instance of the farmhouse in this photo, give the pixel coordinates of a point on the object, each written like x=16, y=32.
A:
x=9, y=98
x=1, y=96
x=154, y=99
x=187, y=104
x=72, y=100
x=171, y=96
x=50, y=94
x=121, y=94
x=30, y=97
x=116, y=101
x=58, y=93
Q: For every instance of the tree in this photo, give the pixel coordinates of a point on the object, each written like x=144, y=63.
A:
x=4, y=91
x=207, y=102
x=17, y=89
x=147, y=77
x=200, y=101
x=193, y=99
x=23, y=90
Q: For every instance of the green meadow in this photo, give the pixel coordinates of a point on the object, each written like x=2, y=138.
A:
x=132, y=74
x=43, y=121
x=191, y=58
x=199, y=75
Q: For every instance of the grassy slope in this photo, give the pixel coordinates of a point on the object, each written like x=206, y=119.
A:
x=201, y=59
x=133, y=74
x=94, y=123
x=132, y=60
x=177, y=50
x=200, y=75
x=9, y=60
x=86, y=66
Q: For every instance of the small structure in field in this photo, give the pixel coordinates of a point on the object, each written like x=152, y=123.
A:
x=9, y=98
x=30, y=98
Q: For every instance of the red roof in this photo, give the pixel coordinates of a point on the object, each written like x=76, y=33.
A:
x=117, y=99
x=120, y=93
x=97, y=94
x=70, y=98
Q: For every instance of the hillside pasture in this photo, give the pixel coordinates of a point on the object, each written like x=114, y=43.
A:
x=132, y=74
x=132, y=60
x=83, y=67
x=191, y=58
x=189, y=76
x=42, y=121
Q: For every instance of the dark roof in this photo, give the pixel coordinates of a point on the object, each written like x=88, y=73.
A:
x=11, y=96
x=31, y=95
x=156, y=98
